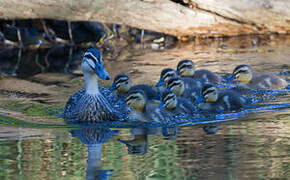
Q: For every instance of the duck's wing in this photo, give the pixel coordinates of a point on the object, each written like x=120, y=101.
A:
x=267, y=81
x=185, y=106
x=207, y=75
x=112, y=98
x=192, y=83
x=231, y=100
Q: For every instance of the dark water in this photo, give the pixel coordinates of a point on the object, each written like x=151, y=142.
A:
x=35, y=144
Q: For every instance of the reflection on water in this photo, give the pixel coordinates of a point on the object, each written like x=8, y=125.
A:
x=250, y=144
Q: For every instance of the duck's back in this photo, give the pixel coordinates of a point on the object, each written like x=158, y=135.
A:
x=84, y=107
x=148, y=90
x=184, y=106
x=192, y=83
x=207, y=75
x=192, y=89
x=267, y=81
x=155, y=114
x=230, y=100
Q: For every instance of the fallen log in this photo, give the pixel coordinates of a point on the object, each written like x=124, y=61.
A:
x=206, y=18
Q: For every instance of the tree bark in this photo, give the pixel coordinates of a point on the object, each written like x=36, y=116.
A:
x=208, y=17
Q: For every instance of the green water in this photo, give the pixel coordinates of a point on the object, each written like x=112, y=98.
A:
x=36, y=144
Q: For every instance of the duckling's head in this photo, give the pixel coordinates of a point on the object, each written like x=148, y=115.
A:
x=165, y=75
x=121, y=83
x=210, y=93
x=243, y=73
x=92, y=63
x=185, y=68
x=176, y=85
x=169, y=99
x=136, y=99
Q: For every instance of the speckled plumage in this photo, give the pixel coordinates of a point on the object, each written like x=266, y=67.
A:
x=104, y=106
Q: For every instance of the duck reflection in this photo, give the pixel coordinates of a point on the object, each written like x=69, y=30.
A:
x=139, y=144
x=210, y=129
x=170, y=133
x=94, y=138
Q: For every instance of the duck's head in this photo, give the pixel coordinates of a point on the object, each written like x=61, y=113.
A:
x=169, y=100
x=121, y=83
x=243, y=73
x=92, y=63
x=185, y=68
x=209, y=93
x=176, y=85
x=165, y=75
x=136, y=99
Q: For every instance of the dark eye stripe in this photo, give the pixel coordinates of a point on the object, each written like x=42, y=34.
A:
x=168, y=75
x=121, y=81
x=174, y=84
x=92, y=57
x=207, y=92
x=132, y=97
x=240, y=71
x=185, y=65
x=169, y=97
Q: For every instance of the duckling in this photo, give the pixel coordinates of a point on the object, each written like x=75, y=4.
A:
x=144, y=111
x=122, y=84
x=176, y=105
x=226, y=100
x=165, y=75
x=93, y=103
x=182, y=89
x=185, y=68
x=168, y=73
x=244, y=74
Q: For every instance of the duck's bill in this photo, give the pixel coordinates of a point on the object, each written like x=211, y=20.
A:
x=200, y=99
x=113, y=87
x=231, y=78
x=162, y=105
x=160, y=83
x=103, y=74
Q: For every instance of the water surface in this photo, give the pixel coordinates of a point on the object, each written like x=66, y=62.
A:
x=35, y=144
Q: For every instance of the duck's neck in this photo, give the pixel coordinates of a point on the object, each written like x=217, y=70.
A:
x=94, y=161
x=91, y=83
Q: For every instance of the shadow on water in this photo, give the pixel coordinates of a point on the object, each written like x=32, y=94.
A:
x=36, y=144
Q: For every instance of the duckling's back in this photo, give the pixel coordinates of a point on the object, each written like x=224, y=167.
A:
x=155, y=114
x=192, y=88
x=230, y=100
x=148, y=90
x=207, y=75
x=184, y=106
x=267, y=81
